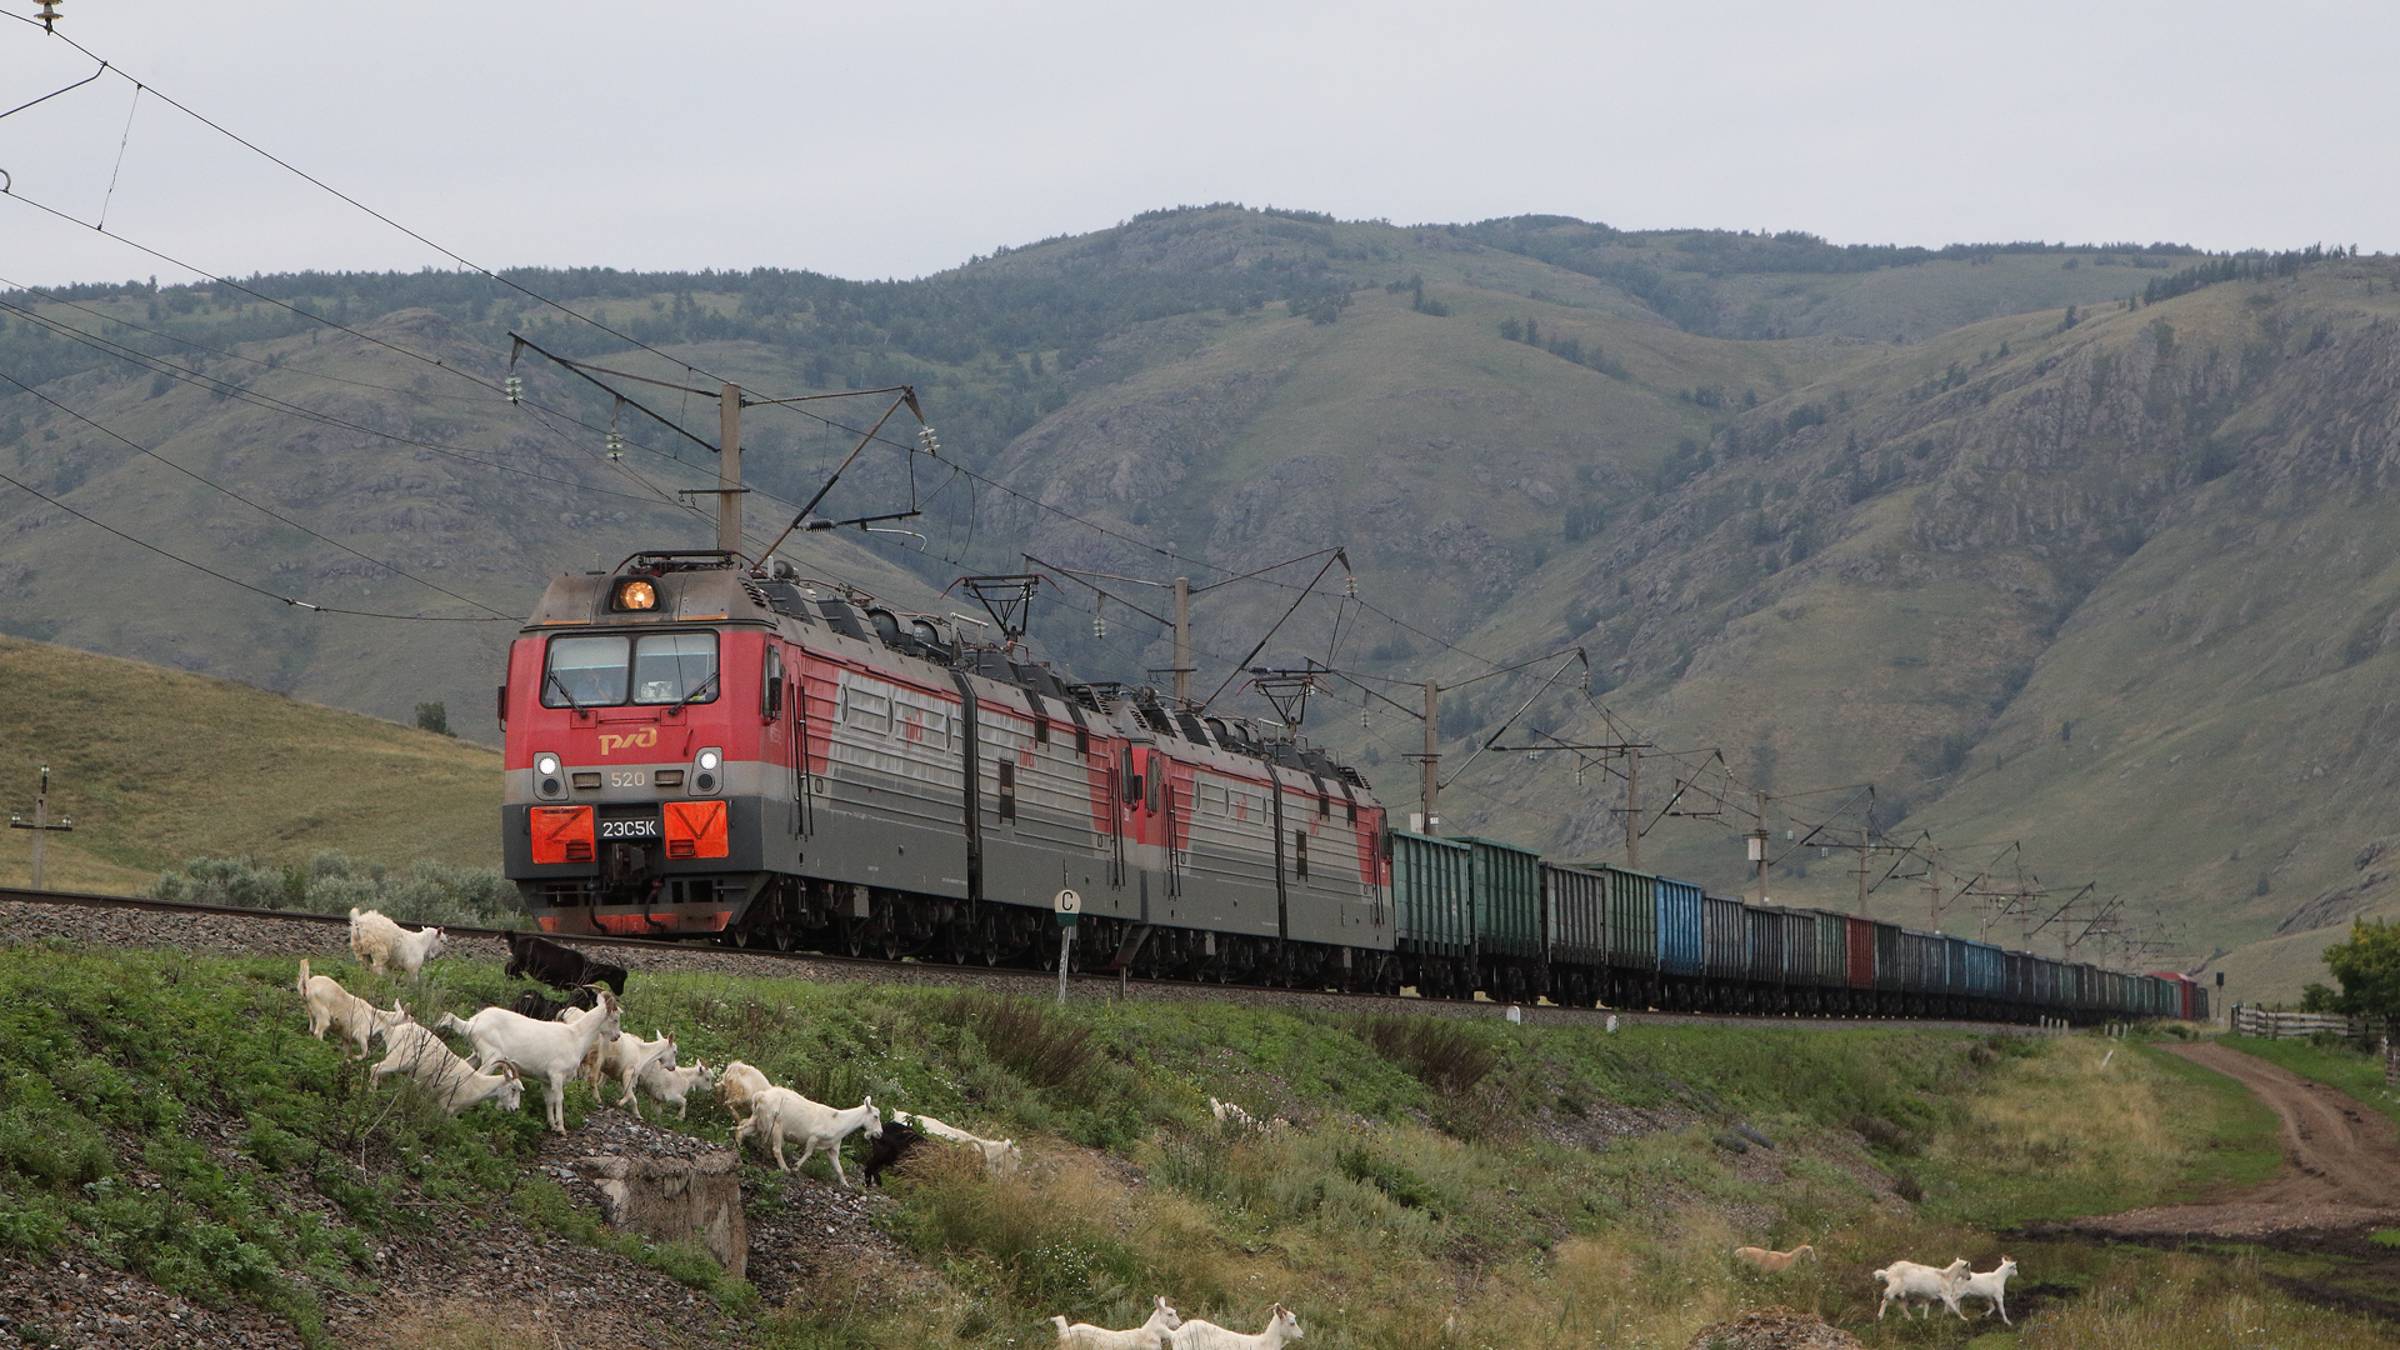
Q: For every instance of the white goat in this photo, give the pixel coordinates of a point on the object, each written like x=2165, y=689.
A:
x=1229, y=1114
x=737, y=1083
x=781, y=1112
x=379, y=942
x=1990, y=1286
x=673, y=1086
x=624, y=1059
x=550, y=1051
x=1907, y=1281
x=331, y=1006
x=1773, y=1261
x=1001, y=1157
x=1085, y=1336
x=1282, y=1325
x=413, y=1050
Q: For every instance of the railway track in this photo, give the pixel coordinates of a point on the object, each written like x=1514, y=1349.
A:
x=131, y=920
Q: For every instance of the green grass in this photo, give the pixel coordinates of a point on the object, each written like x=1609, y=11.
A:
x=1472, y=1169
x=2356, y=1073
x=157, y=766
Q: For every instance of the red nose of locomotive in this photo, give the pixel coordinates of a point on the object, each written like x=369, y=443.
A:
x=629, y=770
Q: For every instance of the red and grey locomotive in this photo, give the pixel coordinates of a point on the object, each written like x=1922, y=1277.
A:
x=700, y=746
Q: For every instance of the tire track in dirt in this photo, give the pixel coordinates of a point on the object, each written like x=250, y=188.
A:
x=2341, y=1164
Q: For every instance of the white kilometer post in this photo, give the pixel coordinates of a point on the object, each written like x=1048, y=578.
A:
x=1069, y=907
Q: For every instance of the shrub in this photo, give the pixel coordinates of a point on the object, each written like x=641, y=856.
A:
x=1443, y=1054
x=1046, y=1051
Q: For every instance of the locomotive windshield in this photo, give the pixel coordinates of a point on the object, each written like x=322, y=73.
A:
x=655, y=668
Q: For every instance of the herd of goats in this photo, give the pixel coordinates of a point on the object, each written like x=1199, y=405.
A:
x=558, y=1042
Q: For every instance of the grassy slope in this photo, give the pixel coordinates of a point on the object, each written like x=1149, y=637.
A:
x=1457, y=1170
x=157, y=766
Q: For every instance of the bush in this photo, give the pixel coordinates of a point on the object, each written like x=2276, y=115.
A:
x=1444, y=1055
x=1045, y=1051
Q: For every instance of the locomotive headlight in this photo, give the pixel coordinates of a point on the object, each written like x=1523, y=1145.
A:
x=710, y=759
x=546, y=765
x=704, y=770
x=637, y=595
x=546, y=780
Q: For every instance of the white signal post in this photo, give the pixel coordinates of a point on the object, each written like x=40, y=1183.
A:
x=41, y=825
x=1069, y=907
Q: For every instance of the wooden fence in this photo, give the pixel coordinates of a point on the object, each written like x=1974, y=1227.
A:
x=2276, y=1026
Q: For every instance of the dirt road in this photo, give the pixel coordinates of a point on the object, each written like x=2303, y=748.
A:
x=2341, y=1164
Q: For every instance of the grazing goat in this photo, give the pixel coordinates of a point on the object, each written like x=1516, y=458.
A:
x=330, y=1005
x=1282, y=1325
x=673, y=1086
x=379, y=942
x=1990, y=1286
x=1773, y=1262
x=890, y=1147
x=624, y=1059
x=1000, y=1156
x=1229, y=1114
x=550, y=1051
x=560, y=967
x=541, y=1008
x=737, y=1083
x=781, y=1112
x=1907, y=1281
x=1085, y=1336
x=420, y=1054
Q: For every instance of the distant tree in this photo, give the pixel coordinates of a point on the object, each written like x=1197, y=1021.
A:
x=1749, y=398
x=435, y=718
x=1511, y=331
x=2368, y=968
x=1533, y=334
x=2070, y=320
x=1416, y=289
x=1038, y=370
x=2066, y=732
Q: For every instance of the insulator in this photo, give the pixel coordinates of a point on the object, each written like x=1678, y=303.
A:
x=1362, y=720
x=516, y=389
x=1099, y=624
x=1579, y=773
x=928, y=442
x=1350, y=584
x=616, y=444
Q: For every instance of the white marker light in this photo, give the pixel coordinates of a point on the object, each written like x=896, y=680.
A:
x=546, y=765
x=709, y=759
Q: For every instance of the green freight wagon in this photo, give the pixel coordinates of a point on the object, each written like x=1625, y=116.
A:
x=1433, y=899
x=1509, y=933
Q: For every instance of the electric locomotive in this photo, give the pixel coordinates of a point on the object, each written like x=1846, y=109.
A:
x=699, y=746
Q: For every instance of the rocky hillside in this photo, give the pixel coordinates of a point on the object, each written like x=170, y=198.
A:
x=2042, y=558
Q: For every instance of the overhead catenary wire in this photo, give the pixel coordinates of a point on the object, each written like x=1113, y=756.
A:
x=254, y=504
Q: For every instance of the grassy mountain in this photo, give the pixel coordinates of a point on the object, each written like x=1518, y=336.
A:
x=2043, y=563
x=157, y=766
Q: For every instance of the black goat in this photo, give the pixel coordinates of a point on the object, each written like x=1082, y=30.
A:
x=532, y=1004
x=560, y=967
x=886, y=1150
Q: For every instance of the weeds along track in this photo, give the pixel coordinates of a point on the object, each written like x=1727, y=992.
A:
x=138, y=921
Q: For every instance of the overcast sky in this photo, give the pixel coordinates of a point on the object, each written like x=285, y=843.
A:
x=899, y=137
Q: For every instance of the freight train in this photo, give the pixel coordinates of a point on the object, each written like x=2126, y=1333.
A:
x=701, y=747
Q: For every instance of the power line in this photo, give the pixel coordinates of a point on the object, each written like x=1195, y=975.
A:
x=258, y=506
x=314, y=181
x=293, y=601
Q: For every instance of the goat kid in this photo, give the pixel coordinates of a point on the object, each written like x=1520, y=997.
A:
x=780, y=1113
x=623, y=1059
x=1906, y=1281
x=1771, y=1261
x=550, y=1051
x=737, y=1083
x=411, y=1049
x=1085, y=1336
x=1282, y=1325
x=1991, y=1286
x=1001, y=1157
x=380, y=942
x=331, y=1006
x=674, y=1086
